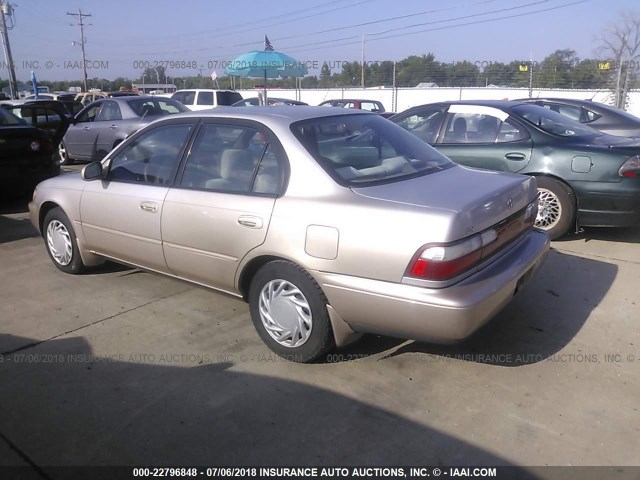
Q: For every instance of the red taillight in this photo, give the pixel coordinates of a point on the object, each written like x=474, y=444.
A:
x=444, y=262
x=630, y=168
x=443, y=270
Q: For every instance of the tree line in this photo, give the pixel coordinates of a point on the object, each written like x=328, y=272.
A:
x=561, y=69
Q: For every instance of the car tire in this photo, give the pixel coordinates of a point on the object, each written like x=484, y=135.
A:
x=289, y=311
x=556, y=207
x=63, y=155
x=60, y=242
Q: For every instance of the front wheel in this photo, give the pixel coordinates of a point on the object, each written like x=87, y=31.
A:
x=556, y=207
x=289, y=311
x=63, y=155
x=60, y=240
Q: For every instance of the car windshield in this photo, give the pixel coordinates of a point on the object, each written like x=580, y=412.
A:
x=8, y=118
x=553, y=122
x=145, y=107
x=357, y=150
x=228, y=98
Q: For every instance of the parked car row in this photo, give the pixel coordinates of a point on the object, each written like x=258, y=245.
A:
x=202, y=99
x=287, y=207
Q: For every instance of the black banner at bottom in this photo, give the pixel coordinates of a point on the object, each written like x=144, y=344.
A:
x=328, y=473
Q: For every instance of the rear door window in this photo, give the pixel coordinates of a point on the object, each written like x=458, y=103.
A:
x=205, y=98
x=186, y=98
x=235, y=159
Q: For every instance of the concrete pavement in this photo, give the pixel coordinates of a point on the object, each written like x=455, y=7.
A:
x=121, y=367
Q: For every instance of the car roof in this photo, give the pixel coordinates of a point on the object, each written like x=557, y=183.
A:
x=483, y=103
x=593, y=105
x=204, y=90
x=558, y=99
x=286, y=114
x=351, y=100
x=128, y=98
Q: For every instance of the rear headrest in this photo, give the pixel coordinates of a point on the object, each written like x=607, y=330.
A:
x=235, y=160
x=460, y=125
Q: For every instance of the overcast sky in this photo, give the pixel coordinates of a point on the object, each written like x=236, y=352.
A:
x=199, y=36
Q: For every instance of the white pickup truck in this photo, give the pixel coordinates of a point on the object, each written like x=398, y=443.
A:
x=203, y=99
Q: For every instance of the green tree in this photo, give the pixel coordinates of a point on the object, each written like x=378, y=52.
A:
x=498, y=73
x=154, y=75
x=461, y=74
x=325, y=75
x=587, y=74
x=414, y=70
x=556, y=69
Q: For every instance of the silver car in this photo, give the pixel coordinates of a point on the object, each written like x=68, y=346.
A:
x=329, y=224
x=101, y=125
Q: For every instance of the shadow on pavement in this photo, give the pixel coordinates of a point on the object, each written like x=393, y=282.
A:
x=64, y=406
x=12, y=229
x=539, y=322
x=17, y=203
x=608, y=234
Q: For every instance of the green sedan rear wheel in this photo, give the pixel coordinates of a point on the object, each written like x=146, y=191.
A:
x=556, y=207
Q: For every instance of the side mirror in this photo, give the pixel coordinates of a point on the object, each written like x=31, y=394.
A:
x=92, y=171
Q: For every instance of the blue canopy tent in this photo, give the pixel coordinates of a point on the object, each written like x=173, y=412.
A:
x=266, y=64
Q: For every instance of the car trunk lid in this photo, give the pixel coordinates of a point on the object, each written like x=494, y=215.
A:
x=476, y=199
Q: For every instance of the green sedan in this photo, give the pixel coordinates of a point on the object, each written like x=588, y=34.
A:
x=585, y=177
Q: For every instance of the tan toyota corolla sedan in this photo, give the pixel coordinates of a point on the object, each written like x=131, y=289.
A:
x=329, y=224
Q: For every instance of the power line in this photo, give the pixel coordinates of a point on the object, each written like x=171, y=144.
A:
x=507, y=17
x=373, y=22
x=263, y=22
x=432, y=22
x=296, y=47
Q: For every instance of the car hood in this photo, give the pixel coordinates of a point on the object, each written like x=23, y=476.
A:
x=477, y=198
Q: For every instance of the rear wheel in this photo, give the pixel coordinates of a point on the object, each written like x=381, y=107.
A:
x=289, y=311
x=556, y=207
x=60, y=240
x=63, y=155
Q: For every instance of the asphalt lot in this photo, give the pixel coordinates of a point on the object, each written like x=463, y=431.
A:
x=122, y=367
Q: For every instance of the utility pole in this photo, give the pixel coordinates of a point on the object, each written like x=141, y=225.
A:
x=394, y=100
x=7, y=9
x=81, y=16
x=531, y=76
x=362, y=73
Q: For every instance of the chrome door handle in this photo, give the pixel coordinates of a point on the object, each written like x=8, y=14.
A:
x=515, y=156
x=86, y=129
x=149, y=207
x=250, y=221
x=113, y=127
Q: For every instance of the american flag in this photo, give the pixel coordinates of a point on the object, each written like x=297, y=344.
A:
x=267, y=45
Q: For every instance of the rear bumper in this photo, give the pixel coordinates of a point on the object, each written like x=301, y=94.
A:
x=609, y=204
x=25, y=175
x=441, y=315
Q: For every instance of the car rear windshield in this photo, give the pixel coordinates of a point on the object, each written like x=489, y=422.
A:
x=228, y=98
x=553, y=122
x=359, y=150
x=8, y=118
x=146, y=107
